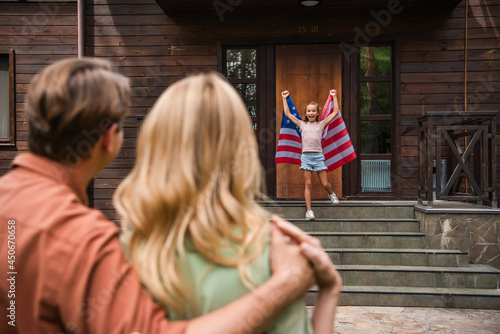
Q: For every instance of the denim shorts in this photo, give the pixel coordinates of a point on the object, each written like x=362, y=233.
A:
x=313, y=161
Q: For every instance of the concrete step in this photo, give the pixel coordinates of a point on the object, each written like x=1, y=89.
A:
x=381, y=254
x=358, y=225
x=398, y=257
x=415, y=297
x=370, y=239
x=471, y=276
x=345, y=210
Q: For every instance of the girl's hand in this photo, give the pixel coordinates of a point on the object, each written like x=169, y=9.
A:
x=333, y=92
x=285, y=94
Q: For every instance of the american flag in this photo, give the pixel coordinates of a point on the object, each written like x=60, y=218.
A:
x=337, y=146
x=289, y=141
x=336, y=143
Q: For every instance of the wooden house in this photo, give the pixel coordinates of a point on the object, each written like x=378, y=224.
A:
x=392, y=61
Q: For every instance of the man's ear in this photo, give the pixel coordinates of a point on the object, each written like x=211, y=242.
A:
x=109, y=137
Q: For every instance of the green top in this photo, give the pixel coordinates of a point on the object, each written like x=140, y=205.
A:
x=214, y=286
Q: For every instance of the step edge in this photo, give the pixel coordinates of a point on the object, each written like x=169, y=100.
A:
x=397, y=250
x=416, y=290
x=341, y=202
x=349, y=220
x=490, y=270
x=404, y=234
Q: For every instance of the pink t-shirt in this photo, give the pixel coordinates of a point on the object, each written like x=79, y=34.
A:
x=311, y=136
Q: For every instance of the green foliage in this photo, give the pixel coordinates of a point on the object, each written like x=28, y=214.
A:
x=375, y=98
x=382, y=55
x=242, y=64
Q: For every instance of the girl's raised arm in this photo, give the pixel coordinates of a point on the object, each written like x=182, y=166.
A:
x=288, y=114
x=336, y=109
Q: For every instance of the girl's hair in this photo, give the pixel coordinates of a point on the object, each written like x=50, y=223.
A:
x=305, y=109
x=196, y=178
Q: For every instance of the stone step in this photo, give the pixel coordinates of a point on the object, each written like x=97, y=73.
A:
x=382, y=256
x=471, y=276
x=370, y=239
x=415, y=297
x=358, y=225
x=345, y=210
x=398, y=257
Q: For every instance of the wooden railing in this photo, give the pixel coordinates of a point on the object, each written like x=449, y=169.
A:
x=457, y=156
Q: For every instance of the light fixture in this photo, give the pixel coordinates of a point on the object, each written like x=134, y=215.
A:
x=309, y=3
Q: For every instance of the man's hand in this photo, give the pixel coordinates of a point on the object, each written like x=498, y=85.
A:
x=324, y=270
x=289, y=264
x=327, y=277
x=285, y=94
x=333, y=92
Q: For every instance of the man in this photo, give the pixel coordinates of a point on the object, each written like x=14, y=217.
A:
x=65, y=269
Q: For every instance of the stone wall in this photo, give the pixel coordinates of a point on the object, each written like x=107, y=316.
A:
x=476, y=231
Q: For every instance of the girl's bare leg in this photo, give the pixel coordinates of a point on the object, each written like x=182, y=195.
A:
x=307, y=191
x=324, y=181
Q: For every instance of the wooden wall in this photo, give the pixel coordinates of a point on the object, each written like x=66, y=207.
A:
x=39, y=34
x=155, y=49
x=432, y=73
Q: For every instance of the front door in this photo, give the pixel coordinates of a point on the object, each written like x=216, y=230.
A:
x=308, y=72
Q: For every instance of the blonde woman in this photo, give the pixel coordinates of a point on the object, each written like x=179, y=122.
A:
x=193, y=228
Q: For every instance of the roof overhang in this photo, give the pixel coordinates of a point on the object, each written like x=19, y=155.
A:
x=255, y=6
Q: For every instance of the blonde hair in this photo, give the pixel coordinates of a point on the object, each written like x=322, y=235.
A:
x=70, y=104
x=317, y=109
x=197, y=176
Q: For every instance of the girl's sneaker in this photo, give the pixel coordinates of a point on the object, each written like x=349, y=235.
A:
x=310, y=215
x=334, y=199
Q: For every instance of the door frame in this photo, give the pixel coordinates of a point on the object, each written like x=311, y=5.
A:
x=351, y=176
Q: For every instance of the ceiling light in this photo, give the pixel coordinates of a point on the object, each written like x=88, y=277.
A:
x=309, y=3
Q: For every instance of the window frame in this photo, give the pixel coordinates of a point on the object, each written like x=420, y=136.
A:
x=255, y=80
x=383, y=117
x=266, y=112
x=11, y=140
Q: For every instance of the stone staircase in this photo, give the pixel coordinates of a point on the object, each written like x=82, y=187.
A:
x=381, y=254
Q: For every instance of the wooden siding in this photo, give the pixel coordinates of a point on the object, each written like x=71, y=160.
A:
x=432, y=75
x=155, y=50
x=39, y=34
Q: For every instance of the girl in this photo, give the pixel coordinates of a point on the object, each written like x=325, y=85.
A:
x=312, y=156
x=194, y=231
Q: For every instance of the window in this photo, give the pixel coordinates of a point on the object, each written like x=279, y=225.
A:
x=7, y=95
x=246, y=67
x=375, y=115
x=240, y=68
